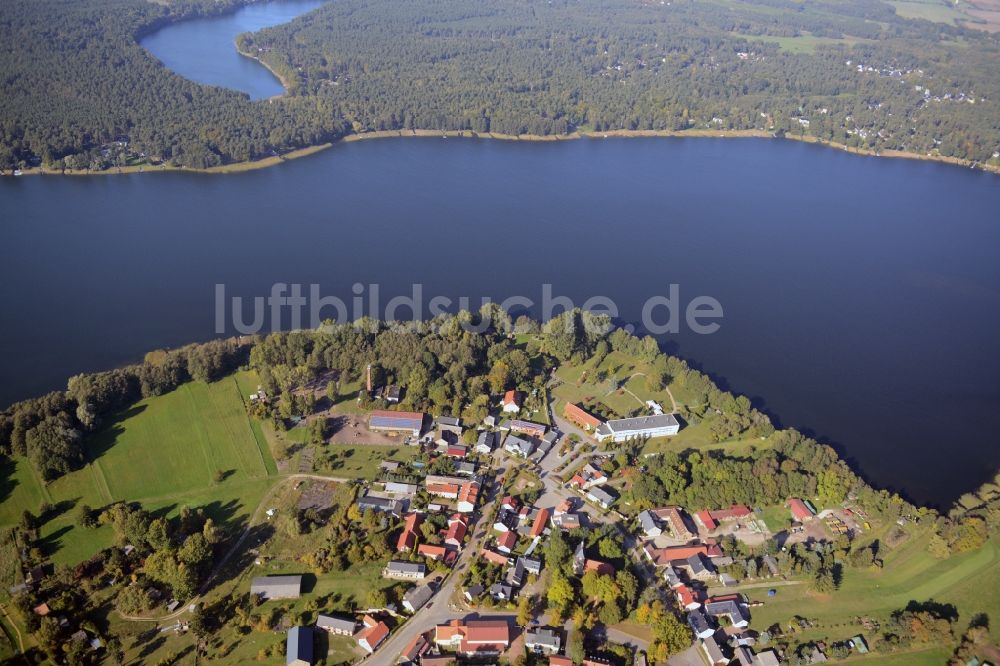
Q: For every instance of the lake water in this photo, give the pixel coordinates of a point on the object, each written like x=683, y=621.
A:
x=204, y=50
x=861, y=295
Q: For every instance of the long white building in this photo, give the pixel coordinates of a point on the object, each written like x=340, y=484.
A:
x=621, y=430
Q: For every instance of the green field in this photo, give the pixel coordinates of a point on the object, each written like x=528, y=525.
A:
x=967, y=581
x=163, y=452
x=930, y=10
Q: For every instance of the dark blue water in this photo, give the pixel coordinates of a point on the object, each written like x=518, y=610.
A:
x=204, y=50
x=861, y=295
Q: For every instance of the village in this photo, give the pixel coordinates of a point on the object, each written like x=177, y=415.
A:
x=473, y=541
x=610, y=507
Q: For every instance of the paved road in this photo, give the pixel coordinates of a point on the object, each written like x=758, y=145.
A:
x=441, y=608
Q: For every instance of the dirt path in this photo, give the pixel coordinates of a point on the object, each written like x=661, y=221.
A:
x=17, y=633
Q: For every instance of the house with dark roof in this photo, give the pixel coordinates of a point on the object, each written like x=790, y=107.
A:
x=486, y=442
x=501, y=592
x=729, y=607
x=519, y=446
x=379, y=504
x=713, y=652
x=601, y=497
x=299, y=647
x=542, y=640
x=415, y=597
x=699, y=624
x=276, y=587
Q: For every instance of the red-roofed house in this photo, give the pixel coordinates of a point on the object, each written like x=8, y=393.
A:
x=432, y=552
x=541, y=520
x=661, y=557
x=408, y=537
x=558, y=660
x=369, y=639
x=581, y=417
x=800, y=511
x=598, y=567
x=509, y=504
x=493, y=557
x=704, y=518
x=735, y=512
x=687, y=598
x=474, y=637
x=416, y=648
x=674, y=518
x=564, y=507
x=455, y=533
x=468, y=494
x=511, y=402
x=449, y=490
x=506, y=542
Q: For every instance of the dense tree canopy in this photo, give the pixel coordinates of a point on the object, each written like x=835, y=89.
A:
x=77, y=90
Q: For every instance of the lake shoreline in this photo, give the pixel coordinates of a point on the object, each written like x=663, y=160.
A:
x=266, y=162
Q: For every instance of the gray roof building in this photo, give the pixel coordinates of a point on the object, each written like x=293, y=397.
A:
x=415, y=598
x=601, y=496
x=343, y=626
x=620, y=430
x=649, y=525
x=487, y=441
x=276, y=587
x=699, y=624
x=396, y=569
x=543, y=640
x=299, y=647
x=531, y=565
x=731, y=609
x=379, y=504
x=713, y=651
x=501, y=591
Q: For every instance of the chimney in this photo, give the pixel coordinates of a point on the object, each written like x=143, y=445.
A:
x=369, y=377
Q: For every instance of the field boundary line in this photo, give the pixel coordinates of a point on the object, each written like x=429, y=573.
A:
x=253, y=433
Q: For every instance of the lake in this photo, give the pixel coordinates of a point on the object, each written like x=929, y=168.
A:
x=861, y=296
x=204, y=50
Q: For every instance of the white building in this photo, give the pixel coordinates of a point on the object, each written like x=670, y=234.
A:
x=621, y=430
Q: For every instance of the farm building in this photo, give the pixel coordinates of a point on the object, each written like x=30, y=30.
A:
x=340, y=626
x=299, y=647
x=276, y=587
x=800, y=510
x=410, y=423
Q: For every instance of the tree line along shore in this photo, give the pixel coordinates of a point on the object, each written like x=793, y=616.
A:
x=847, y=74
x=178, y=479
x=275, y=160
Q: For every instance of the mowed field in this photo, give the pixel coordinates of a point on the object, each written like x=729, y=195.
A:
x=968, y=582
x=163, y=452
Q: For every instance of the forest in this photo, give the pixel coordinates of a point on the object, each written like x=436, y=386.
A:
x=77, y=90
